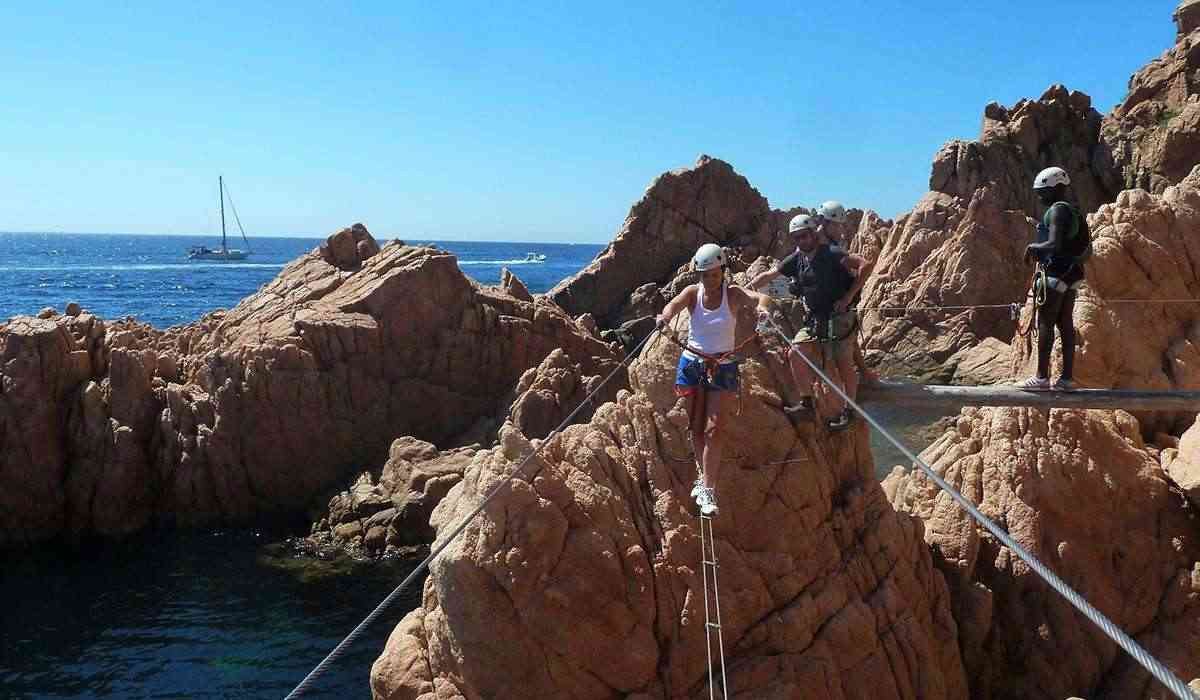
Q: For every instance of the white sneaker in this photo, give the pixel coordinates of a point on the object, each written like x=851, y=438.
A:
x=707, y=502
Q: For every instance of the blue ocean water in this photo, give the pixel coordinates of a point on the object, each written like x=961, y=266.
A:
x=150, y=278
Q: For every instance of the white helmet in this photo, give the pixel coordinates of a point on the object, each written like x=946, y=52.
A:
x=709, y=255
x=1050, y=177
x=800, y=222
x=834, y=211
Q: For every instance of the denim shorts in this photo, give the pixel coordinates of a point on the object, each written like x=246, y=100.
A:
x=691, y=374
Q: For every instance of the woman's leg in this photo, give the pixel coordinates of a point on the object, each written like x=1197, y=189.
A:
x=713, y=428
x=696, y=412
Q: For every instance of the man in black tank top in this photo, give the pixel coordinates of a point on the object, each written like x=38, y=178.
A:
x=827, y=280
x=1063, y=246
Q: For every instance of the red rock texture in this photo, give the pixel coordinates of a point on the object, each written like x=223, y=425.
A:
x=583, y=578
x=1084, y=494
x=1153, y=135
x=381, y=513
x=390, y=514
x=962, y=244
x=681, y=210
x=258, y=409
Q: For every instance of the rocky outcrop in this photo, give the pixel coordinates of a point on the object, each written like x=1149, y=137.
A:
x=1153, y=135
x=390, y=514
x=387, y=511
x=1083, y=493
x=589, y=563
x=258, y=409
x=680, y=211
x=962, y=244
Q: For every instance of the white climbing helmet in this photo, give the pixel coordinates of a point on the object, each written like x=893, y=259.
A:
x=1050, y=177
x=801, y=222
x=834, y=211
x=708, y=256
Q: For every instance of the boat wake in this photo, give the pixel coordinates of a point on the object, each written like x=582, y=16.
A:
x=515, y=261
x=182, y=266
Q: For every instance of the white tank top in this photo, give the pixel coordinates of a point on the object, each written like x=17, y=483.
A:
x=713, y=332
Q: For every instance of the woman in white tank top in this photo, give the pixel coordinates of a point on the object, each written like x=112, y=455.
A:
x=704, y=376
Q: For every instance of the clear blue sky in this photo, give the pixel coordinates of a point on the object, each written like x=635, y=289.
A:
x=523, y=122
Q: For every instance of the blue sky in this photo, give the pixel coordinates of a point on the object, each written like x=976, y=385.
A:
x=521, y=122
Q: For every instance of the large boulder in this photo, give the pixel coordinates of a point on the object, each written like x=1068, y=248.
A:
x=389, y=513
x=256, y=410
x=682, y=209
x=1083, y=493
x=583, y=578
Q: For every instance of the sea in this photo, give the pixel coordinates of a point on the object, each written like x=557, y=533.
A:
x=150, y=278
x=214, y=613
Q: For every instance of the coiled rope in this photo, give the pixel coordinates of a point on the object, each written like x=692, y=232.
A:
x=1143, y=657
x=340, y=649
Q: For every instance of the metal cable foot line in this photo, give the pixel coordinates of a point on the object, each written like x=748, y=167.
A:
x=708, y=567
x=1143, y=657
x=320, y=668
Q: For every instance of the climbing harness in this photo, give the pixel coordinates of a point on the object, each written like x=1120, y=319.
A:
x=340, y=649
x=712, y=364
x=1143, y=657
x=708, y=559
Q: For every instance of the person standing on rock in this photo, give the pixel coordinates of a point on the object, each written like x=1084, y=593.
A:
x=832, y=212
x=828, y=280
x=828, y=213
x=1063, y=245
x=706, y=375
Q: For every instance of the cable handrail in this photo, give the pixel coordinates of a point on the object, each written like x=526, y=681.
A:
x=1143, y=657
x=317, y=671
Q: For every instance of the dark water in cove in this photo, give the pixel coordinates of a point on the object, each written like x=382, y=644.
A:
x=150, y=278
x=189, y=615
x=210, y=615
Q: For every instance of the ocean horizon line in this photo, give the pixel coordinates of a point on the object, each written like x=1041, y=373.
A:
x=292, y=236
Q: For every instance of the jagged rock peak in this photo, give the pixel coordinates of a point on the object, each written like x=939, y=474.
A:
x=349, y=248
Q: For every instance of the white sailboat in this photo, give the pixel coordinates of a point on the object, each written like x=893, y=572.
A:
x=224, y=253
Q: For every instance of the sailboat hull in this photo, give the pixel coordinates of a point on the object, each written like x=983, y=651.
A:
x=218, y=255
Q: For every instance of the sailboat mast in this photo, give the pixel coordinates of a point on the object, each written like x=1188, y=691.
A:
x=221, y=187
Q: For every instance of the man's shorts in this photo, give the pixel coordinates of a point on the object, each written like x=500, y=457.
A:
x=1055, y=300
x=842, y=328
x=691, y=374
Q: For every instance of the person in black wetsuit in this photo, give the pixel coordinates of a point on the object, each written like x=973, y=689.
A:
x=827, y=280
x=1063, y=245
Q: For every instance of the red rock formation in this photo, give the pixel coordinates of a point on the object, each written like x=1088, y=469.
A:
x=379, y=514
x=1153, y=136
x=962, y=244
x=259, y=408
x=582, y=579
x=681, y=210
x=1083, y=493
x=390, y=514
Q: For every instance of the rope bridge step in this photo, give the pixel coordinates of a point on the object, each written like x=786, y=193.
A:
x=904, y=393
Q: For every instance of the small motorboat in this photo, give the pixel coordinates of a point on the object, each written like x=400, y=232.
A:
x=532, y=257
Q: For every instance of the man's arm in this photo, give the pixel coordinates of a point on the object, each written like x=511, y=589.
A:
x=743, y=298
x=858, y=266
x=764, y=277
